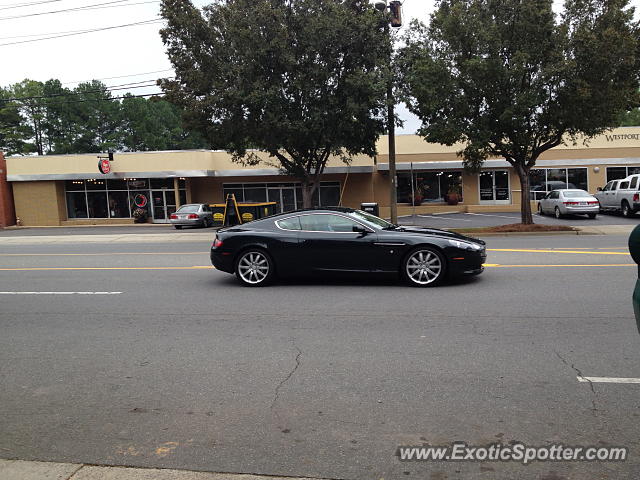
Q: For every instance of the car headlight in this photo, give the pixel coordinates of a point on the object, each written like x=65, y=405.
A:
x=465, y=245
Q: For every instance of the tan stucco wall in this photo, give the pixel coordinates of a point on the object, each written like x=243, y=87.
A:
x=39, y=203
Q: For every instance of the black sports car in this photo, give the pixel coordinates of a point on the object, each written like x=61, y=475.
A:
x=343, y=240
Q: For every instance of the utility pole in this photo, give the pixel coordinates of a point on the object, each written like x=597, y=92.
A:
x=395, y=21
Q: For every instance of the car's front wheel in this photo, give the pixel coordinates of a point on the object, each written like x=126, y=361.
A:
x=540, y=211
x=254, y=268
x=424, y=267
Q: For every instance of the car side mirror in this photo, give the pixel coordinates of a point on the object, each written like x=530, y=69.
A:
x=360, y=229
x=599, y=189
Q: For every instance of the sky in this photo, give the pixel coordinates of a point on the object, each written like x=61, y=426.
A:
x=117, y=56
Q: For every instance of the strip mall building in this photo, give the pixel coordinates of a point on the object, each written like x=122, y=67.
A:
x=70, y=190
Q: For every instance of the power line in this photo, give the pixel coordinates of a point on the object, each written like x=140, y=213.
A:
x=82, y=32
x=125, y=86
x=120, y=76
x=86, y=7
x=20, y=5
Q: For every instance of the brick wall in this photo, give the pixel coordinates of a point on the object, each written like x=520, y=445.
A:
x=7, y=212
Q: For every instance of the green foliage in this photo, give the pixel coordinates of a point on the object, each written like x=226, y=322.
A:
x=299, y=79
x=630, y=118
x=51, y=119
x=510, y=80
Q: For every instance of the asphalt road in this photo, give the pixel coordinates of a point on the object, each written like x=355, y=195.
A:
x=186, y=369
x=473, y=220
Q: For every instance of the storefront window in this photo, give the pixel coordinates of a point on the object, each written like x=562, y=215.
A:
x=288, y=196
x=428, y=186
x=543, y=180
x=97, y=202
x=616, y=173
x=114, y=198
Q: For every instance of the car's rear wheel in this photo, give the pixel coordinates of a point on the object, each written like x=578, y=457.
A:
x=424, y=267
x=626, y=210
x=540, y=212
x=557, y=212
x=254, y=268
x=178, y=227
x=592, y=216
x=206, y=223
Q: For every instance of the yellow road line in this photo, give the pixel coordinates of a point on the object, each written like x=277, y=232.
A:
x=95, y=254
x=101, y=268
x=493, y=265
x=554, y=251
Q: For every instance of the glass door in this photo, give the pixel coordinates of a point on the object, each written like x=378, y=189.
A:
x=494, y=187
x=163, y=205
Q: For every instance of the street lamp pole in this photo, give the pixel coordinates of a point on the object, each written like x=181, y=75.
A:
x=395, y=21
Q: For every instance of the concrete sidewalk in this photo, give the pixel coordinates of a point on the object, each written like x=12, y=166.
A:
x=23, y=470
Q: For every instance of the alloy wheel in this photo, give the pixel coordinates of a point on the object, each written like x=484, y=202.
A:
x=253, y=267
x=424, y=267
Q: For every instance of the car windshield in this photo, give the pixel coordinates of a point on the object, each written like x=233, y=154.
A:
x=576, y=194
x=189, y=209
x=371, y=220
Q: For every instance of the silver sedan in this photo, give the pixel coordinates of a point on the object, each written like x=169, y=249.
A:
x=569, y=202
x=192, y=214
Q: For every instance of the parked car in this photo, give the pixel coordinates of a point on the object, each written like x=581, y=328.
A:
x=192, y=214
x=621, y=196
x=334, y=240
x=569, y=202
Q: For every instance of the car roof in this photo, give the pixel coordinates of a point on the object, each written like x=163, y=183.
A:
x=317, y=210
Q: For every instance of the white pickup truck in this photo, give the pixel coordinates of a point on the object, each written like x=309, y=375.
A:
x=620, y=196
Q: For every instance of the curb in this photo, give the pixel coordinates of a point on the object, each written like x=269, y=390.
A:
x=27, y=470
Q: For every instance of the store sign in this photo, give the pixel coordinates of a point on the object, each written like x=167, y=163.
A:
x=623, y=136
x=140, y=200
x=104, y=166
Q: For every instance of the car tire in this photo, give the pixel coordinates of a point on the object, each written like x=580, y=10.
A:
x=178, y=227
x=592, y=216
x=626, y=210
x=540, y=211
x=424, y=267
x=205, y=223
x=557, y=213
x=254, y=268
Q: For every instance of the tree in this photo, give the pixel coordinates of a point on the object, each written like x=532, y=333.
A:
x=298, y=79
x=32, y=107
x=510, y=79
x=155, y=124
x=15, y=133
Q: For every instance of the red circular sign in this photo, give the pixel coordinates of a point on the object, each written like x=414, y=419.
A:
x=140, y=200
x=104, y=166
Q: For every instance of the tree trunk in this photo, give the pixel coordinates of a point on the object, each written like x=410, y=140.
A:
x=525, y=185
x=308, y=190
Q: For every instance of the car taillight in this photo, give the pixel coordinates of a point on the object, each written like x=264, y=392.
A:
x=217, y=243
x=571, y=203
x=174, y=216
x=192, y=216
x=636, y=197
x=593, y=202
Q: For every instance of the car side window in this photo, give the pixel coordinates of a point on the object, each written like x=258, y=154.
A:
x=634, y=183
x=292, y=223
x=555, y=195
x=326, y=223
x=624, y=185
x=607, y=187
x=614, y=186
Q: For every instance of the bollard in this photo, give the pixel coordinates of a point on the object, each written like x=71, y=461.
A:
x=634, y=249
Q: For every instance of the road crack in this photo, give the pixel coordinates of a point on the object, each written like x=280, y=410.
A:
x=594, y=407
x=276, y=393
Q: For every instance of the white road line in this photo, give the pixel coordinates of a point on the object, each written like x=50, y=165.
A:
x=497, y=216
x=60, y=293
x=607, y=380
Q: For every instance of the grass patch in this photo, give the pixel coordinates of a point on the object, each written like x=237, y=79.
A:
x=516, y=228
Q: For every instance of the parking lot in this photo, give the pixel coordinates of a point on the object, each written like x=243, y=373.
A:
x=170, y=363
